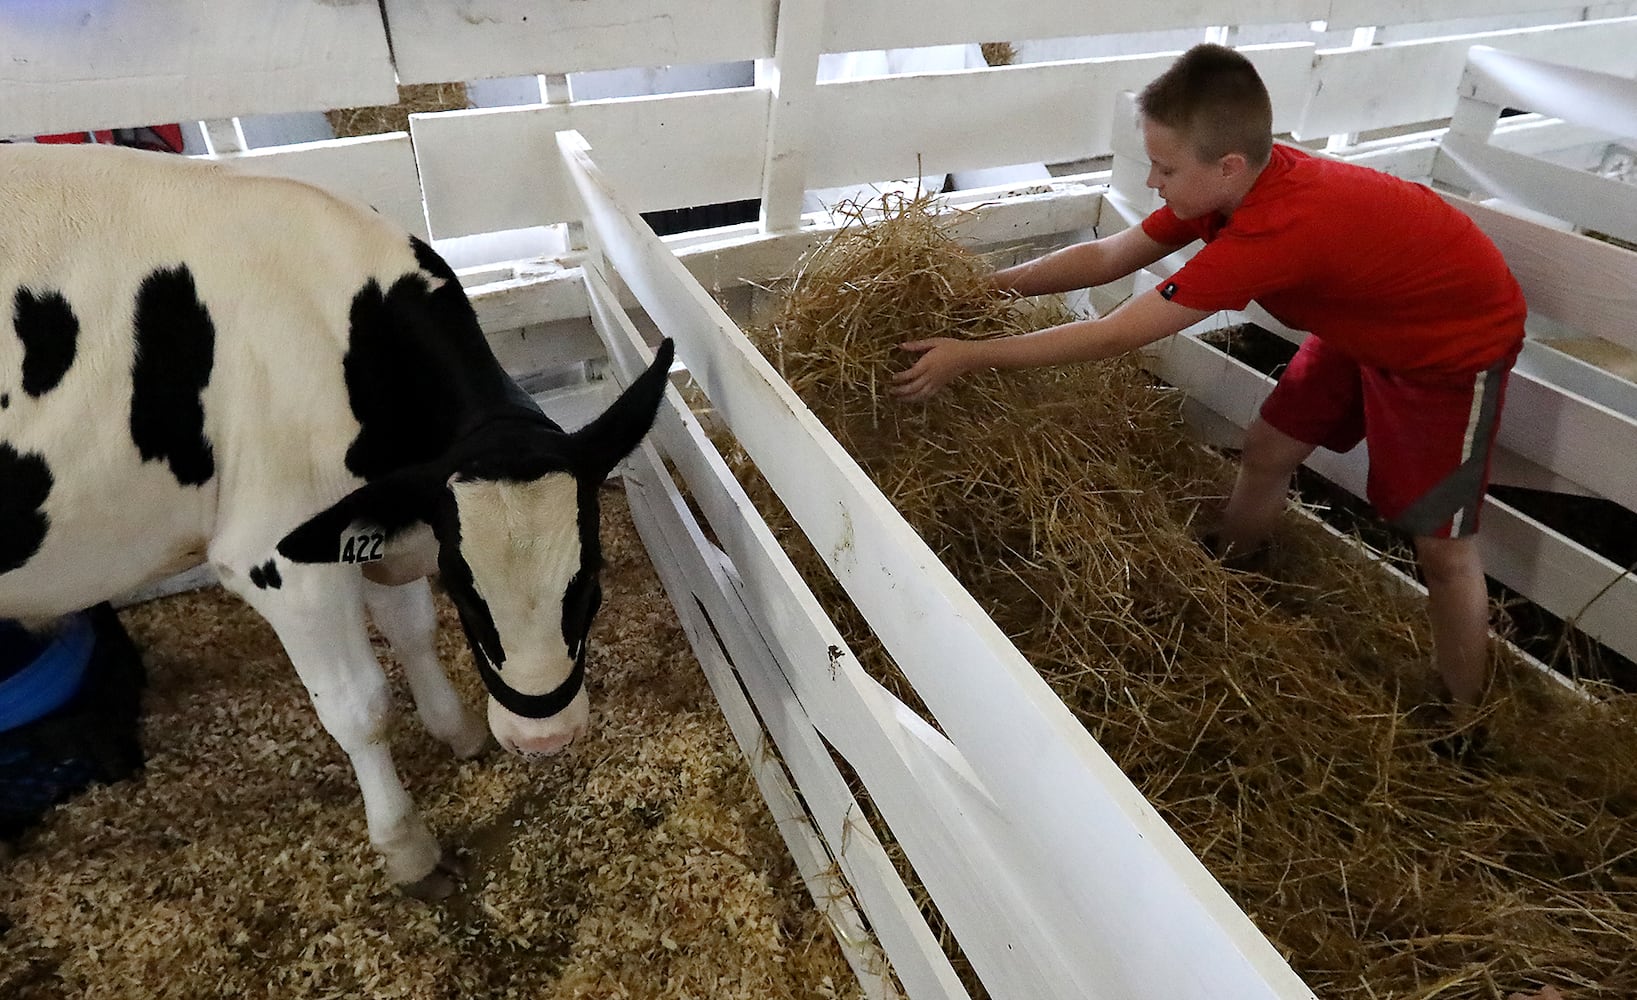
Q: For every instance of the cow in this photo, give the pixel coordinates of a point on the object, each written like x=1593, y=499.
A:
x=205, y=366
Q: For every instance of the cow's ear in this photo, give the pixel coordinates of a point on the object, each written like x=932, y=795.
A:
x=357, y=526
x=604, y=442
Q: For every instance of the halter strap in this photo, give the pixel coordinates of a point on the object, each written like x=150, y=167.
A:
x=533, y=706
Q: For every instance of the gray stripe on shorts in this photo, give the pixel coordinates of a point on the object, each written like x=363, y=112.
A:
x=1458, y=495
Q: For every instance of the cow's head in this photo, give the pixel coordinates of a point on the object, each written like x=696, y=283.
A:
x=514, y=508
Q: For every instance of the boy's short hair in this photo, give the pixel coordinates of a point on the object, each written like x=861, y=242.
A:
x=1213, y=97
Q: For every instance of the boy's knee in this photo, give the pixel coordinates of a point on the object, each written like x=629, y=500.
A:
x=1444, y=559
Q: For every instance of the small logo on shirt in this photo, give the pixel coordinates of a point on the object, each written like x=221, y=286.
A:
x=1169, y=290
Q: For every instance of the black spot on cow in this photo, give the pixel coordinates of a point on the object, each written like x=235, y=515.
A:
x=50, y=332
x=175, y=350
x=25, y=482
x=418, y=369
x=266, y=576
x=5, y=400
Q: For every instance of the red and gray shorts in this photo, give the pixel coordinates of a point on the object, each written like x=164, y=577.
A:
x=1430, y=436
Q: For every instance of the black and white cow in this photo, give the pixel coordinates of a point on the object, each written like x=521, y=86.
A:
x=206, y=366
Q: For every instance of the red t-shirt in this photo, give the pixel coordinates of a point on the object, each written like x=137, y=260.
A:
x=1381, y=268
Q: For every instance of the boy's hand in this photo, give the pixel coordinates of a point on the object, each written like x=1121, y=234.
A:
x=942, y=361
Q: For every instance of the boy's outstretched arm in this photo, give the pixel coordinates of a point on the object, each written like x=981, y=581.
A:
x=1095, y=262
x=1140, y=321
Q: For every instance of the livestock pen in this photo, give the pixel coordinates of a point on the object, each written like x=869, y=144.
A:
x=1051, y=872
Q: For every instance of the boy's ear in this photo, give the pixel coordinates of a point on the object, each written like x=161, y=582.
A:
x=1234, y=164
x=357, y=526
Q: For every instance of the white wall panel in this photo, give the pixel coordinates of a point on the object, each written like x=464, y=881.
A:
x=486, y=170
x=886, y=24
x=69, y=65
x=1357, y=89
x=1047, y=112
x=437, y=41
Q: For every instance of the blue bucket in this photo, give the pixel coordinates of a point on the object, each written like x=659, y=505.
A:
x=51, y=677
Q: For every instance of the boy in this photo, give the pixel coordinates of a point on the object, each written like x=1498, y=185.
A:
x=1415, y=323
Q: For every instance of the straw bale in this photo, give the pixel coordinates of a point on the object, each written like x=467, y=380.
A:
x=413, y=98
x=1283, y=721
x=639, y=864
x=999, y=53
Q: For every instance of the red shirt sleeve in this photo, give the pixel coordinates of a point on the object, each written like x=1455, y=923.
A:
x=1163, y=226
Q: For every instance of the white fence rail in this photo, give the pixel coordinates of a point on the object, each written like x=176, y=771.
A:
x=81, y=65
x=1057, y=877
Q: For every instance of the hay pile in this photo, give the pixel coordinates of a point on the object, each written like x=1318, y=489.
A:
x=412, y=99
x=1282, y=722
x=641, y=864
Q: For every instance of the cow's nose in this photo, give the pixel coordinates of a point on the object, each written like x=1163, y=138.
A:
x=543, y=746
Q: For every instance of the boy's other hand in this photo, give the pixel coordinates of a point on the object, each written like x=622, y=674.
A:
x=942, y=361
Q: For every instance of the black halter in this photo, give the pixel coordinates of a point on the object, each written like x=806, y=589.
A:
x=532, y=706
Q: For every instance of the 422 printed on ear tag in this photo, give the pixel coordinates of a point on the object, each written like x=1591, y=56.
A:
x=363, y=547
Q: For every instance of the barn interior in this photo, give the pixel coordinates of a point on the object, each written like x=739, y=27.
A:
x=844, y=744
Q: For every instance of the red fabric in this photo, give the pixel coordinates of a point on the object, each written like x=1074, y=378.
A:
x=1381, y=268
x=1417, y=427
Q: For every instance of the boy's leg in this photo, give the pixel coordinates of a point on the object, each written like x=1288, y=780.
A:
x=1270, y=457
x=1458, y=606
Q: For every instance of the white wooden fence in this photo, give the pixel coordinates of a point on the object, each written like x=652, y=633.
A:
x=1057, y=878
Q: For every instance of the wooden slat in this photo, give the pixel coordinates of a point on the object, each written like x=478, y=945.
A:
x=375, y=170
x=679, y=554
x=436, y=42
x=1363, y=13
x=789, y=78
x=1574, y=94
x=886, y=24
x=876, y=129
x=1134, y=889
x=487, y=170
x=1582, y=283
x=70, y=65
x=1353, y=90
x=849, y=705
x=1575, y=196
x=949, y=838
x=765, y=660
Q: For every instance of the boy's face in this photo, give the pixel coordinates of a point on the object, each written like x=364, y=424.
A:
x=1191, y=187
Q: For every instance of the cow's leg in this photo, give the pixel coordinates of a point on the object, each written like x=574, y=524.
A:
x=406, y=616
x=318, y=613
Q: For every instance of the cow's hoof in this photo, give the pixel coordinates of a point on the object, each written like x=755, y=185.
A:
x=441, y=882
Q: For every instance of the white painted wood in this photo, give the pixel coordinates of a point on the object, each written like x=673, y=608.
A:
x=69, y=65
x=1582, y=283
x=1570, y=92
x=679, y=553
x=489, y=169
x=223, y=136
x=1352, y=90
x=1575, y=437
x=939, y=122
x=1026, y=749
x=436, y=42
x=763, y=658
x=1576, y=196
x=946, y=838
x=789, y=78
x=887, y=24
x=374, y=170
x=1356, y=13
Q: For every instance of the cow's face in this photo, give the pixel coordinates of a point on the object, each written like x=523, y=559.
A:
x=520, y=564
x=514, y=507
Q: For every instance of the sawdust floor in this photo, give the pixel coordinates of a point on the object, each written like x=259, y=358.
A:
x=642, y=863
